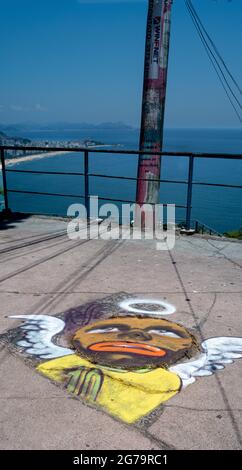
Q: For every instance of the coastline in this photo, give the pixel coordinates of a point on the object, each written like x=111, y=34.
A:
x=39, y=156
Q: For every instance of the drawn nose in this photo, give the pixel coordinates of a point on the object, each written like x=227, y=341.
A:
x=138, y=335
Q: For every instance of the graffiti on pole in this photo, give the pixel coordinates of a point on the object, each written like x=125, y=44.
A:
x=154, y=93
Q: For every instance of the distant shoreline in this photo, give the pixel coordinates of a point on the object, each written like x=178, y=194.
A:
x=39, y=156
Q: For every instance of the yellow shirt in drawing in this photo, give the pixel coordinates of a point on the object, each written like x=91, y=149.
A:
x=124, y=394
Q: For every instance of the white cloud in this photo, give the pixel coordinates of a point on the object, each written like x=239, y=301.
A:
x=39, y=107
x=16, y=107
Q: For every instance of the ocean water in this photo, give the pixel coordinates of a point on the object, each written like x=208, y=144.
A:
x=219, y=208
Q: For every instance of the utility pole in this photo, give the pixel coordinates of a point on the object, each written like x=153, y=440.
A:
x=154, y=94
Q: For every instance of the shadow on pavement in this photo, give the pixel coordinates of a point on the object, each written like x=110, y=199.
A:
x=8, y=219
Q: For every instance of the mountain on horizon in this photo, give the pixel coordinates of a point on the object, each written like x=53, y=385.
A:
x=59, y=126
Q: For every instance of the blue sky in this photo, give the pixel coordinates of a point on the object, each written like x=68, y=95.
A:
x=82, y=60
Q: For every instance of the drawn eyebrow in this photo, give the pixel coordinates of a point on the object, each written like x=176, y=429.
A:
x=169, y=330
x=120, y=326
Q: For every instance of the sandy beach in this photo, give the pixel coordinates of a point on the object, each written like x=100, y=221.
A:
x=37, y=156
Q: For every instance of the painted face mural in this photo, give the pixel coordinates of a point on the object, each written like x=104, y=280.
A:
x=132, y=342
x=120, y=354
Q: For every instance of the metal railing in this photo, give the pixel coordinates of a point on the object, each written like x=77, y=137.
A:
x=189, y=182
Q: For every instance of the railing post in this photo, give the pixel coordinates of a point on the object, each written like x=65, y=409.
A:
x=5, y=192
x=86, y=176
x=189, y=192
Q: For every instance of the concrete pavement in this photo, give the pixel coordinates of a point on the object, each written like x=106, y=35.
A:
x=49, y=274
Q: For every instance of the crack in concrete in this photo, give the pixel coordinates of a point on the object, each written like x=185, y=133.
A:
x=114, y=292
x=225, y=256
x=217, y=378
x=205, y=319
x=202, y=409
x=160, y=443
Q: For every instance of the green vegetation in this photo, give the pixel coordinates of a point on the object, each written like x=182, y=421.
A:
x=235, y=234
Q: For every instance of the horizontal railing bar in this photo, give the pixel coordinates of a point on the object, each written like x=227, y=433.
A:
x=94, y=175
x=78, y=196
x=134, y=202
x=123, y=152
x=129, y=178
x=220, y=185
x=43, y=194
x=45, y=172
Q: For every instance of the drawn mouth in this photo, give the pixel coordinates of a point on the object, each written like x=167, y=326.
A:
x=128, y=348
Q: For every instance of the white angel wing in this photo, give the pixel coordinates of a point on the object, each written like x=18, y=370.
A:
x=217, y=352
x=39, y=331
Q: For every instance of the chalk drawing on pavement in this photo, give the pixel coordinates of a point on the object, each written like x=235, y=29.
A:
x=123, y=355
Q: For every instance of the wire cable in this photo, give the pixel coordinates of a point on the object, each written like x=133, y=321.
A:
x=211, y=52
x=222, y=78
x=215, y=48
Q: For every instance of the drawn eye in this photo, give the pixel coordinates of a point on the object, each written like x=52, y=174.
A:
x=170, y=334
x=103, y=330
